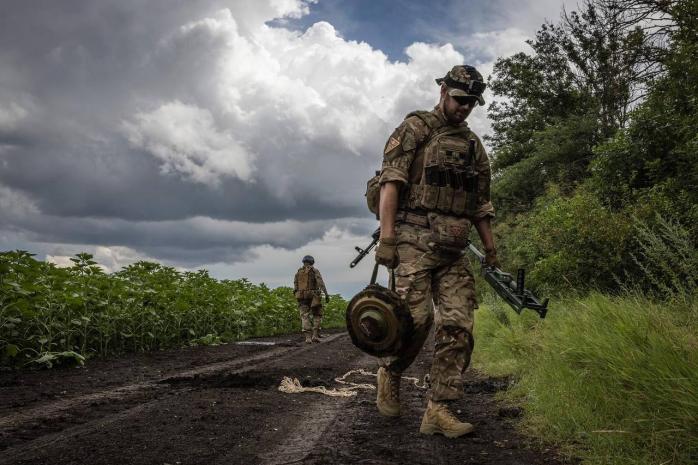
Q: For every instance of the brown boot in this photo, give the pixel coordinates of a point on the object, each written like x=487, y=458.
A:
x=315, y=337
x=308, y=339
x=439, y=419
x=388, y=393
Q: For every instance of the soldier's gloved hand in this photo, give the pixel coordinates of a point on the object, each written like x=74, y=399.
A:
x=386, y=252
x=327, y=299
x=491, y=258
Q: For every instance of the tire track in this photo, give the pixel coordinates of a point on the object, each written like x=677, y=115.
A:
x=297, y=445
x=45, y=412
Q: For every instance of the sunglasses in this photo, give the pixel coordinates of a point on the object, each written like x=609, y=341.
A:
x=465, y=100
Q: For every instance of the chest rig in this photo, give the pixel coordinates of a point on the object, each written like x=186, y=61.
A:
x=443, y=176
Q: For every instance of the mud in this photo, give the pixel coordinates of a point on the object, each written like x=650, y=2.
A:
x=220, y=405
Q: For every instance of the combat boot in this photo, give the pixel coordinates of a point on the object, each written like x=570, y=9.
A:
x=438, y=419
x=315, y=337
x=388, y=393
x=308, y=339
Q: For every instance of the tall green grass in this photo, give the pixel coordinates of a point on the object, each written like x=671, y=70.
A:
x=612, y=379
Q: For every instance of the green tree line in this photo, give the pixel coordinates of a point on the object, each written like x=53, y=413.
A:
x=595, y=140
x=595, y=163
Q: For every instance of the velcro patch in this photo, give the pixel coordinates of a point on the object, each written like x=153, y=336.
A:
x=392, y=143
x=458, y=230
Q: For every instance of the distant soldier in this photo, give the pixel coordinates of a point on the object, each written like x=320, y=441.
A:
x=308, y=288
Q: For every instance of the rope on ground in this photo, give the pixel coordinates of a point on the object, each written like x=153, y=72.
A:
x=293, y=386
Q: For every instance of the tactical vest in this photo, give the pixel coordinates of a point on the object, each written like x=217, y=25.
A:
x=443, y=176
x=306, y=279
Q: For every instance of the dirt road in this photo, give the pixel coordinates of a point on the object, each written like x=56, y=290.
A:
x=221, y=405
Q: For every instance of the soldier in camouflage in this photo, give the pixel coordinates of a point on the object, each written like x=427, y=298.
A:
x=435, y=184
x=308, y=288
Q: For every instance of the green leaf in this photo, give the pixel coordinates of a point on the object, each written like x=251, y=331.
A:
x=11, y=350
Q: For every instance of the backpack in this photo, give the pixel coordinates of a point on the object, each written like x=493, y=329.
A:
x=306, y=283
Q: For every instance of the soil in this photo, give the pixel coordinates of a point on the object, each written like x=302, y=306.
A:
x=221, y=405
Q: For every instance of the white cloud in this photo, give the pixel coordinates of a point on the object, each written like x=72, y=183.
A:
x=109, y=259
x=300, y=101
x=185, y=139
x=11, y=114
x=333, y=252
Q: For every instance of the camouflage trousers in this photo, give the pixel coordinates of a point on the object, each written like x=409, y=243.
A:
x=439, y=290
x=311, y=317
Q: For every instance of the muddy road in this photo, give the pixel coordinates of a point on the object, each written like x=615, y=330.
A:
x=221, y=405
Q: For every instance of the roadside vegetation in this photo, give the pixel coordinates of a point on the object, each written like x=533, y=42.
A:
x=51, y=315
x=595, y=159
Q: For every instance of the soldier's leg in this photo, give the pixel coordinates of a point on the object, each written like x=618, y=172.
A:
x=317, y=320
x=454, y=297
x=416, y=290
x=453, y=344
x=413, y=283
x=304, y=309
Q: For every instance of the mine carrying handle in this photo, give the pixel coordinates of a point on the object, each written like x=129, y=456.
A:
x=374, y=276
x=513, y=291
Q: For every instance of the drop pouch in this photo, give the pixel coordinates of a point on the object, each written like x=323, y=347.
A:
x=448, y=233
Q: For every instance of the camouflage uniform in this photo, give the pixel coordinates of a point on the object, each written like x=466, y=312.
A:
x=310, y=304
x=433, y=275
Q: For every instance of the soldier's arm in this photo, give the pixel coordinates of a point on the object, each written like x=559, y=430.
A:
x=398, y=156
x=387, y=209
x=485, y=212
x=295, y=282
x=320, y=282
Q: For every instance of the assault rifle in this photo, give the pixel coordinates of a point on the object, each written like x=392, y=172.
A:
x=363, y=252
x=512, y=291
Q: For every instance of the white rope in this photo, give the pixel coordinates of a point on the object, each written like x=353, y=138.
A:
x=293, y=386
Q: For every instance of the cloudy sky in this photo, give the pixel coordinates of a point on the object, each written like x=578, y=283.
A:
x=231, y=135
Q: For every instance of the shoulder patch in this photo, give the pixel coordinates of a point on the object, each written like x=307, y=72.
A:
x=392, y=143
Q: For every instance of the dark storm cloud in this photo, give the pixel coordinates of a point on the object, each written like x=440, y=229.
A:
x=188, y=130
x=89, y=66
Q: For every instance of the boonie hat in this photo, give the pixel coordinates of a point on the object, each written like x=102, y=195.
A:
x=464, y=80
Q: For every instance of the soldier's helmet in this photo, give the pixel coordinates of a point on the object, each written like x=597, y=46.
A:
x=308, y=259
x=464, y=80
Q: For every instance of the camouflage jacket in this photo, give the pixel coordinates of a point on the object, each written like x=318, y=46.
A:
x=404, y=156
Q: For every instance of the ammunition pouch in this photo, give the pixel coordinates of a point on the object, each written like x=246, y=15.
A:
x=373, y=190
x=308, y=294
x=447, y=189
x=448, y=233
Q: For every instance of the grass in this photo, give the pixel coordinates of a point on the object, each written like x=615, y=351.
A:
x=613, y=380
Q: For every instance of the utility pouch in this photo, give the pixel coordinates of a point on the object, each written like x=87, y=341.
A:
x=315, y=300
x=304, y=295
x=430, y=188
x=448, y=233
x=460, y=198
x=373, y=191
x=445, y=190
